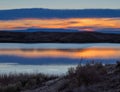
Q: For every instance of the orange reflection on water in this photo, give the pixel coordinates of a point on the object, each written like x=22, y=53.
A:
x=88, y=24
x=54, y=53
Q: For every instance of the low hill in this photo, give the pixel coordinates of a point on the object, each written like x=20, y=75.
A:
x=58, y=37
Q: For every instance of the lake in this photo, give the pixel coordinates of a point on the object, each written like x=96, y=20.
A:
x=53, y=58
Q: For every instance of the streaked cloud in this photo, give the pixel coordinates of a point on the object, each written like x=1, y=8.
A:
x=84, y=24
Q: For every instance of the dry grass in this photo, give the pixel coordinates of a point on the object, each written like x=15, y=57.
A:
x=87, y=74
x=83, y=77
x=18, y=82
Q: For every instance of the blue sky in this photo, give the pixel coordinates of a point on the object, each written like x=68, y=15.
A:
x=59, y=4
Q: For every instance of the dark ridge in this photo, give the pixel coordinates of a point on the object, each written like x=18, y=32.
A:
x=58, y=37
x=43, y=30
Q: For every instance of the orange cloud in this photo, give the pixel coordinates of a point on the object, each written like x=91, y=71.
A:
x=88, y=24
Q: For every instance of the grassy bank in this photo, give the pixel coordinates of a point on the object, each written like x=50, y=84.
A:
x=92, y=77
x=18, y=82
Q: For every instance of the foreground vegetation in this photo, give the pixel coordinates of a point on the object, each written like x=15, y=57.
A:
x=18, y=82
x=92, y=77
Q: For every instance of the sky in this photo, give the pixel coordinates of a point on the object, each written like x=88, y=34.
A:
x=86, y=24
x=60, y=4
x=72, y=23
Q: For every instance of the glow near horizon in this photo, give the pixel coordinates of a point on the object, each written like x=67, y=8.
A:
x=82, y=24
x=59, y=4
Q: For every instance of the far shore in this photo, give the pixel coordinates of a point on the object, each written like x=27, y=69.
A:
x=58, y=37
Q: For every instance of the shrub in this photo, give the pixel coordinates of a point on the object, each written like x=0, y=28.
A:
x=87, y=74
x=118, y=67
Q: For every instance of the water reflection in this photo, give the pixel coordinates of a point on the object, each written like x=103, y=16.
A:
x=64, y=53
x=53, y=61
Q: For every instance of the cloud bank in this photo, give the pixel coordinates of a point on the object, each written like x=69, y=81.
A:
x=60, y=20
x=80, y=24
x=56, y=13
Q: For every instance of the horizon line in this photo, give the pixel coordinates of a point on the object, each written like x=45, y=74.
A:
x=64, y=9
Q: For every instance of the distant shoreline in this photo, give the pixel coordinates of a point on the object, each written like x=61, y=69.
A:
x=58, y=37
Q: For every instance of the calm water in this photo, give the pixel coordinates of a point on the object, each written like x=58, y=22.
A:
x=53, y=58
x=54, y=46
x=6, y=68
